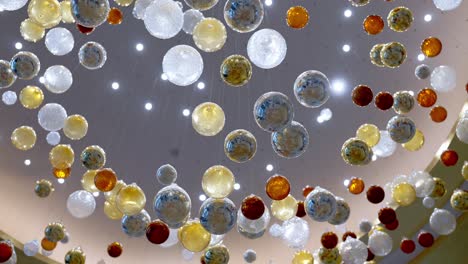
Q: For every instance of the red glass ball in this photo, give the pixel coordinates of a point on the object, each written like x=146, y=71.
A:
x=407, y=246
x=387, y=215
x=329, y=240
x=425, y=239
x=252, y=207
x=115, y=250
x=370, y=255
x=449, y=158
x=5, y=251
x=375, y=194
x=393, y=225
x=157, y=232
x=384, y=101
x=84, y=30
x=348, y=234
x=306, y=190
x=300, y=209
x=362, y=95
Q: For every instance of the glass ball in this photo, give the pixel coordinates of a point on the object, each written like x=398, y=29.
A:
x=217, y=255
x=425, y=239
x=296, y=233
x=218, y=181
x=31, y=97
x=462, y=130
x=250, y=256
x=93, y=157
x=240, y=146
x=400, y=19
x=440, y=188
x=459, y=200
x=218, y=216
x=300, y=209
x=403, y=102
x=368, y=133
x=90, y=14
x=356, y=185
x=62, y=156
x=356, y=152
x=312, y=89
x=393, y=54
x=201, y=5
x=194, y=237
x=266, y=48
x=359, y=2
x=387, y=215
x=183, y=65
x=59, y=41
x=236, y=70
x=306, y=190
x=365, y=226
x=157, y=232
x=7, y=77
x=115, y=249
x=438, y=114
x=329, y=240
x=61, y=173
x=273, y=111
x=140, y=8
x=31, y=248
x=130, y=200
x=164, y=19
x=48, y=245
x=373, y=24
x=362, y=95
x=464, y=170
x=243, y=15
x=191, y=19
x=253, y=229
x=427, y=97
x=135, y=225
x=277, y=187
x=65, y=8
x=43, y=188
x=374, y=55
x=252, y=207
x=380, y=243
x=449, y=158
x=353, y=251
x=166, y=174
x=442, y=221
x=31, y=30
x=404, y=194
x=297, y=17
x=208, y=119
x=416, y=143
x=45, y=12
x=431, y=47
x=407, y=246
x=303, y=257
x=9, y=97
x=12, y=6
x=209, y=34
x=76, y=127
x=329, y=256
x=342, y=212
x=444, y=79
x=87, y=181
x=447, y=5
x=58, y=79
x=422, y=71
x=54, y=232
x=25, y=65
x=401, y=128
x=84, y=30
x=92, y=55
x=384, y=101
x=284, y=209
x=105, y=180
x=172, y=205
x=290, y=142
x=320, y=205
x=111, y=211
x=375, y=194
x=428, y=202
x=81, y=204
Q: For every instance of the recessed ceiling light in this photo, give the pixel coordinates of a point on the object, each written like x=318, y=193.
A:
x=346, y=182
x=148, y=106
x=18, y=45
x=421, y=57
x=27, y=162
x=428, y=18
x=60, y=181
x=115, y=85
x=326, y=114
x=139, y=47
x=338, y=86
x=164, y=77
x=201, y=85
x=348, y=13
x=186, y=112
x=42, y=79
x=202, y=197
x=346, y=48
x=268, y=2
x=236, y=186
x=269, y=167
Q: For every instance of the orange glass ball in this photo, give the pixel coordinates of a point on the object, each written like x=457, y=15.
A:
x=115, y=16
x=449, y=158
x=306, y=190
x=253, y=207
x=356, y=185
x=105, y=180
x=115, y=250
x=373, y=24
x=362, y=95
x=384, y=101
x=84, y=30
x=427, y=97
x=61, y=173
x=48, y=245
x=348, y=234
x=157, y=232
x=329, y=240
x=431, y=47
x=297, y=17
x=438, y=114
x=277, y=187
x=300, y=209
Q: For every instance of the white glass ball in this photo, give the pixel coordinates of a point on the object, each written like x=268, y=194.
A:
x=12, y=5
x=58, y=79
x=447, y=5
x=422, y=182
x=59, y=41
x=183, y=65
x=9, y=98
x=52, y=117
x=81, y=204
x=443, y=222
x=380, y=243
x=191, y=19
x=462, y=130
x=444, y=79
x=164, y=19
x=276, y=230
x=428, y=202
x=46, y=253
x=166, y=174
x=386, y=146
x=295, y=233
x=53, y=138
x=353, y=251
x=31, y=248
x=365, y=226
x=267, y=48
x=140, y=8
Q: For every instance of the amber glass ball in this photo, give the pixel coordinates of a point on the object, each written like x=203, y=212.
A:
x=300, y=209
x=356, y=185
x=48, y=245
x=375, y=194
x=438, y=114
x=425, y=239
x=115, y=249
x=373, y=24
x=105, y=180
x=384, y=101
x=449, y=158
x=297, y=17
x=362, y=95
x=431, y=47
x=115, y=16
x=387, y=215
x=348, y=234
x=329, y=240
x=306, y=190
x=407, y=246
x=427, y=97
x=253, y=207
x=277, y=187
x=157, y=232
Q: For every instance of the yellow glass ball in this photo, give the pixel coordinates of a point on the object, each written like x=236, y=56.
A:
x=193, y=236
x=464, y=170
x=45, y=12
x=208, y=119
x=218, y=181
x=31, y=97
x=459, y=200
x=61, y=156
x=416, y=143
x=130, y=200
x=369, y=133
x=75, y=127
x=303, y=257
x=65, y=8
x=111, y=211
x=31, y=30
x=284, y=209
x=209, y=34
x=123, y=2
x=404, y=194
x=87, y=182
x=23, y=138
x=110, y=196
x=440, y=188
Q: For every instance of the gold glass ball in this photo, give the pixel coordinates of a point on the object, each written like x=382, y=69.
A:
x=208, y=119
x=43, y=188
x=31, y=30
x=416, y=143
x=193, y=236
x=240, y=146
x=393, y=54
x=130, y=199
x=284, y=209
x=303, y=257
x=65, y=8
x=400, y=19
x=236, y=70
x=459, y=200
x=218, y=182
x=62, y=156
x=356, y=152
x=110, y=196
x=111, y=211
x=440, y=188
x=404, y=194
x=374, y=55
x=23, y=138
x=209, y=34
x=87, y=182
x=31, y=97
x=47, y=13
x=464, y=170
x=369, y=133
x=75, y=127
x=75, y=256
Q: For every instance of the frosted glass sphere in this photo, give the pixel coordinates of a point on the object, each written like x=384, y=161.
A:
x=58, y=79
x=183, y=65
x=253, y=228
x=284, y=209
x=209, y=34
x=31, y=30
x=267, y=48
x=423, y=183
x=447, y=5
x=250, y=256
x=166, y=174
x=10, y=5
x=53, y=138
x=208, y=119
x=443, y=222
x=191, y=19
x=92, y=55
x=462, y=130
x=130, y=199
x=45, y=12
x=296, y=233
x=140, y=8
x=59, y=41
x=31, y=248
x=380, y=243
x=275, y=230
x=52, y=117
x=218, y=181
x=386, y=146
x=164, y=19
x=9, y=97
x=353, y=251
x=444, y=79
x=90, y=13
x=81, y=204
x=7, y=77
x=428, y=202
x=365, y=226
x=135, y=225
x=422, y=71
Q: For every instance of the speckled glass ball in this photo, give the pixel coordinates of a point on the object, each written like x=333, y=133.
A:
x=384, y=101
x=403, y=102
x=240, y=146
x=250, y=256
x=7, y=77
x=43, y=188
x=201, y=5
x=425, y=239
x=329, y=240
x=387, y=215
x=438, y=114
x=93, y=157
x=427, y=97
x=320, y=205
x=277, y=187
x=393, y=54
x=373, y=24
x=54, y=232
x=243, y=15
x=75, y=256
x=218, y=216
x=217, y=255
x=236, y=70
x=440, y=188
x=253, y=207
x=449, y=158
x=401, y=129
x=92, y=55
x=172, y=205
x=375, y=194
x=115, y=249
x=407, y=246
x=342, y=212
x=290, y=142
x=329, y=256
x=90, y=14
x=312, y=89
x=273, y=111
x=459, y=200
x=431, y=47
x=166, y=174
x=209, y=34
x=362, y=95
x=157, y=232
x=25, y=65
x=374, y=55
x=297, y=17
x=135, y=225
x=400, y=19
x=356, y=152
x=422, y=71
x=105, y=179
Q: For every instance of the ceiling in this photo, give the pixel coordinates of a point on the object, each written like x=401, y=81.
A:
x=138, y=141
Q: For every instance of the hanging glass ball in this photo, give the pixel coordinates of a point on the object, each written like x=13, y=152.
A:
x=440, y=188
x=90, y=14
x=65, y=8
x=342, y=213
x=209, y=34
x=31, y=30
x=217, y=255
x=183, y=65
x=422, y=71
x=403, y=102
x=277, y=187
x=312, y=89
x=92, y=55
x=240, y=146
x=7, y=76
x=252, y=207
x=25, y=65
x=54, y=232
x=76, y=127
x=43, y=188
x=58, y=79
x=368, y=133
x=93, y=157
x=320, y=205
x=266, y=48
x=9, y=97
x=115, y=249
x=218, y=181
x=87, y=181
x=400, y=19
x=218, y=216
x=302, y=257
x=31, y=248
x=284, y=209
x=193, y=236
x=290, y=142
x=273, y=111
x=59, y=41
x=416, y=143
x=447, y=5
x=105, y=179
x=250, y=256
x=166, y=174
x=81, y=204
x=47, y=13
x=157, y=232
x=12, y=5
x=62, y=156
x=386, y=146
x=208, y=119
x=374, y=55
x=236, y=70
x=243, y=15
x=380, y=243
x=401, y=128
x=356, y=152
x=442, y=221
x=404, y=194
x=135, y=225
x=191, y=19
x=329, y=256
x=297, y=17
x=130, y=200
x=393, y=54
x=48, y=245
x=31, y=97
x=164, y=19
x=459, y=200
x=172, y=205
x=111, y=211
x=443, y=79
x=75, y=256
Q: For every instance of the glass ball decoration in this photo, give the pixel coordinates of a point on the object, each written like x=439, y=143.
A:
x=75, y=256
x=291, y=141
x=277, y=187
x=166, y=174
x=329, y=240
x=130, y=200
x=374, y=55
x=284, y=209
x=7, y=77
x=365, y=226
x=320, y=205
x=23, y=138
x=422, y=71
x=218, y=216
x=250, y=256
x=183, y=65
x=444, y=79
x=209, y=34
x=353, y=251
x=348, y=234
x=447, y=5
x=43, y=188
x=393, y=54
x=312, y=89
x=62, y=156
x=12, y=5
x=362, y=95
x=193, y=236
x=375, y=194
x=201, y=5
x=252, y=207
x=9, y=97
x=65, y=8
x=85, y=30
x=407, y=246
x=342, y=213
x=25, y=65
x=216, y=255
x=427, y=97
x=92, y=55
x=157, y=232
x=459, y=200
x=401, y=128
x=428, y=202
x=253, y=229
x=76, y=127
x=236, y=70
x=387, y=215
x=191, y=19
x=31, y=30
x=93, y=157
x=384, y=101
x=400, y=19
x=90, y=14
x=302, y=257
x=462, y=130
x=48, y=245
x=368, y=133
x=297, y=17
x=243, y=15
x=61, y=173
x=135, y=225
x=431, y=47
x=105, y=179
x=111, y=211
x=403, y=102
x=440, y=188
x=58, y=79
x=443, y=222
x=404, y=194
x=386, y=146
x=31, y=97
x=112, y=195
x=273, y=111
x=81, y=204
x=449, y=158
x=240, y=146
x=306, y=190
x=464, y=170
x=300, y=209
x=59, y=41
x=373, y=24
x=356, y=152
x=218, y=181
x=329, y=256
x=47, y=13
x=31, y=248
x=114, y=249
x=423, y=183
x=266, y=48
x=208, y=119
x=296, y=233
x=356, y=185
x=54, y=232
x=380, y=243
x=172, y=205
x=164, y=19
x=425, y=239
x=359, y=3
x=438, y=114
